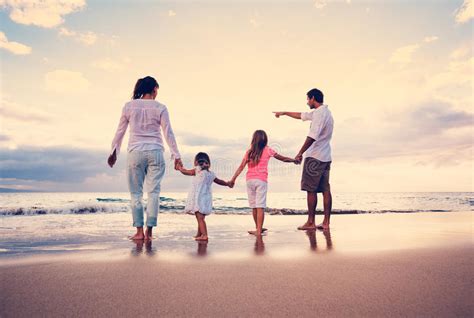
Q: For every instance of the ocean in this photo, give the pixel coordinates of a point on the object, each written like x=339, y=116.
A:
x=52, y=223
x=29, y=204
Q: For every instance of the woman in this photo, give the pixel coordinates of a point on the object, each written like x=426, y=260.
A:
x=147, y=118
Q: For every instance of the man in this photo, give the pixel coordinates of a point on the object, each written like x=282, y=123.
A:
x=317, y=162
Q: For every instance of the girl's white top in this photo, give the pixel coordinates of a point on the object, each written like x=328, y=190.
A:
x=200, y=195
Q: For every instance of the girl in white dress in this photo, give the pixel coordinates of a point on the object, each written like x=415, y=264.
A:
x=199, y=200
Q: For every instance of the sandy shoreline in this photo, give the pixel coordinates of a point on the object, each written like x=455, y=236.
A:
x=415, y=283
x=367, y=265
x=105, y=234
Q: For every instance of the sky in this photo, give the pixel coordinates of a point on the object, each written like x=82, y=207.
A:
x=396, y=75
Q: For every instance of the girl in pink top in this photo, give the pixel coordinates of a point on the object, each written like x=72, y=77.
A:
x=257, y=158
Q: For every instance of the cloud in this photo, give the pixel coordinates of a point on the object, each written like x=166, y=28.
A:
x=72, y=169
x=11, y=110
x=255, y=20
x=461, y=52
x=65, y=81
x=430, y=39
x=404, y=55
x=66, y=32
x=255, y=23
x=51, y=164
x=171, y=13
x=465, y=12
x=430, y=118
x=429, y=128
x=86, y=38
x=42, y=13
x=197, y=140
x=113, y=40
x=320, y=4
x=4, y=137
x=433, y=132
x=231, y=149
x=111, y=65
x=13, y=47
x=454, y=82
x=23, y=123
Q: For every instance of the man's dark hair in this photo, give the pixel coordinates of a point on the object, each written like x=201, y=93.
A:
x=317, y=94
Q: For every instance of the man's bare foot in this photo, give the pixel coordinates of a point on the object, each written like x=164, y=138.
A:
x=307, y=226
x=252, y=231
x=323, y=226
x=256, y=233
x=138, y=236
x=198, y=234
x=202, y=238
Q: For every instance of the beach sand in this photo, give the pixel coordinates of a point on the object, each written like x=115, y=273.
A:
x=410, y=265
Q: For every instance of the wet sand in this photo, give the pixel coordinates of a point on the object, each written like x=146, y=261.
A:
x=411, y=265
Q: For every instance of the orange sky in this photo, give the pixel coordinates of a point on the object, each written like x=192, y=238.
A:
x=397, y=77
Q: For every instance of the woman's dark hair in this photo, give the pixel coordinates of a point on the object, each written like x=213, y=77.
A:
x=203, y=160
x=317, y=94
x=259, y=142
x=144, y=86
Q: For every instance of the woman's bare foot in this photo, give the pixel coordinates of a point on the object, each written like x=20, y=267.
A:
x=202, y=238
x=149, y=233
x=138, y=236
x=323, y=226
x=198, y=234
x=307, y=226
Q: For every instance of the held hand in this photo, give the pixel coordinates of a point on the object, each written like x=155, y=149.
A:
x=298, y=158
x=231, y=183
x=278, y=114
x=112, y=159
x=178, y=164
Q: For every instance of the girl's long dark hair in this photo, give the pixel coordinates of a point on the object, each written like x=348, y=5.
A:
x=144, y=86
x=259, y=142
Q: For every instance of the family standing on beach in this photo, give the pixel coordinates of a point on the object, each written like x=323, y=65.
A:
x=149, y=120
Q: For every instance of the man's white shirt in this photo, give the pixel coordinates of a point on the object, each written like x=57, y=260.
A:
x=321, y=129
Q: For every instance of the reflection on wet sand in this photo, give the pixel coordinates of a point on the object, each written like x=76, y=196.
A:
x=137, y=250
x=202, y=248
x=146, y=246
x=259, y=245
x=313, y=243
